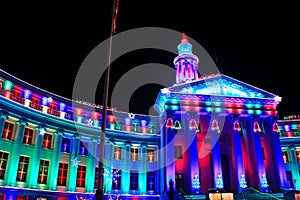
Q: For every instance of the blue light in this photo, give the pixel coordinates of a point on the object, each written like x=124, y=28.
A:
x=287, y=128
x=44, y=100
x=26, y=94
x=62, y=106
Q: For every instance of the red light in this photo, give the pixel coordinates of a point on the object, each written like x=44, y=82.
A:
x=78, y=112
x=7, y=95
x=144, y=130
x=96, y=116
x=111, y=119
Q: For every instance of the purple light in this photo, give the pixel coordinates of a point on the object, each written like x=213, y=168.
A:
x=287, y=128
x=26, y=94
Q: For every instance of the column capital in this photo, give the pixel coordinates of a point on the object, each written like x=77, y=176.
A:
x=76, y=136
x=292, y=147
x=4, y=114
x=144, y=145
x=23, y=121
x=60, y=132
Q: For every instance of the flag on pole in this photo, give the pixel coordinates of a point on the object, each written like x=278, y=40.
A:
x=115, y=16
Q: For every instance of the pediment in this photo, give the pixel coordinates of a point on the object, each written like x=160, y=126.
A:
x=222, y=85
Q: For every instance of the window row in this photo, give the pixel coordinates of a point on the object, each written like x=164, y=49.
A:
x=135, y=154
x=28, y=139
x=115, y=177
x=61, y=110
x=286, y=157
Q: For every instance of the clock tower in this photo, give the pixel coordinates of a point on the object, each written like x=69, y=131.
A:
x=186, y=63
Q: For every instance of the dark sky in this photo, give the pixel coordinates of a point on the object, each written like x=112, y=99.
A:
x=258, y=44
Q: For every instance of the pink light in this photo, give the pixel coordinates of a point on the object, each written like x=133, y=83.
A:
x=169, y=123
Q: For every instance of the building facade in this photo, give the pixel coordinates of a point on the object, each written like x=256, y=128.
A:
x=212, y=132
x=290, y=144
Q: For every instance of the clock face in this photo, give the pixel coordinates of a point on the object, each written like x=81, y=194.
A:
x=186, y=49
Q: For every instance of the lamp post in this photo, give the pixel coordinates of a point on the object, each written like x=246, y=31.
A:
x=100, y=187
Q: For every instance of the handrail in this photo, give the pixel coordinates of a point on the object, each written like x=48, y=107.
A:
x=259, y=192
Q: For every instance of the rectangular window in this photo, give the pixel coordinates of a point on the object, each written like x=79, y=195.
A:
x=134, y=154
x=295, y=131
x=43, y=171
x=22, y=197
x=62, y=174
x=298, y=155
x=23, y=168
x=66, y=145
x=81, y=171
x=285, y=157
x=179, y=181
x=28, y=136
x=151, y=155
x=47, y=141
x=116, y=179
x=150, y=181
x=178, y=152
x=83, y=151
x=117, y=153
x=8, y=131
x=3, y=163
x=134, y=180
x=96, y=177
x=289, y=178
x=35, y=103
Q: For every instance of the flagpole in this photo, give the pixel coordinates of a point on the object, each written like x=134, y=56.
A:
x=100, y=186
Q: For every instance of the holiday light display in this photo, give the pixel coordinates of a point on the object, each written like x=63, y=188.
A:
x=243, y=183
x=219, y=183
x=264, y=182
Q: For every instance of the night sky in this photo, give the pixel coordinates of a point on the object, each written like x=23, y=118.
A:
x=258, y=44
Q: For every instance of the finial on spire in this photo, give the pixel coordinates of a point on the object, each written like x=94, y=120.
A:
x=184, y=38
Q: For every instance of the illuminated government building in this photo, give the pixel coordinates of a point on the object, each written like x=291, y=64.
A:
x=213, y=133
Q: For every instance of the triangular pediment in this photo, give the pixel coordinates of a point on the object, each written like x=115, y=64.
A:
x=222, y=85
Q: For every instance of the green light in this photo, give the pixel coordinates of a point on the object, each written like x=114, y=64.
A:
x=294, y=126
x=250, y=111
x=249, y=105
x=257, y=105
x=258, y=112
x=208, y=103
x=8, y=85
x=174, y=107
x=174, y=101
x=208, y=109
x=218, y=109
x=217, y=103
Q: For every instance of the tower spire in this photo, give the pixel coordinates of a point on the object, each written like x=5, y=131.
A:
x=186, y=63
x=184, y=38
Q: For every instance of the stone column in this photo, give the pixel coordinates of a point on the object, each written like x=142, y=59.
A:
x=13, y=161
x=143, y=170
x=258, y=154
x=126, y=168
x=3, y=117
x=169, y=156
x=35, y=159
x=54, y=163
x=294, y=162
x=73, y=168
x=108, y=156
x=193, y=152
x=216, y=156
x=91, y=165
x=238, y=152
